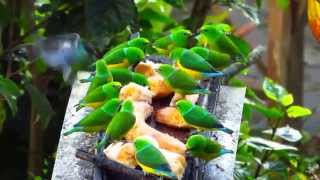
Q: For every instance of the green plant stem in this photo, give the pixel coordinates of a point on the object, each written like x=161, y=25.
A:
x=267, y=154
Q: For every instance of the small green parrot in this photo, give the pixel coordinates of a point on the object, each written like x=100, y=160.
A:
x=217, y=39
x=125, y=76
x=199, y=117
x=102, y=76
x=205, y=148
x=100, y=95
x=193, y=64
x=98, y=119
x=123, y=57
x=180, y=81
x=150, y=158
x=177, y=38
x=120, y=124
x=140, y=42
x=215, y=58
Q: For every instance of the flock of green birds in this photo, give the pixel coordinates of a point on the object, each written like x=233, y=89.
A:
x=214, y=51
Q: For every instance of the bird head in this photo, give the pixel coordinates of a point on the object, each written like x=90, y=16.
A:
x=195, y=142
x=184, y=105
x=165, y=70
x=181, y=37
x=141, y=43
x=144, y=141
x=134, y=54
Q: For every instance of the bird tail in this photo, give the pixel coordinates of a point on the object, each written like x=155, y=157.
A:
x=74, y=129
x=226, y=130
x=211, y=75
x=103, y=143
x=225, y=151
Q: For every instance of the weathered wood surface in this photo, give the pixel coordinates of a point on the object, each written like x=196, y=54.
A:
x=228, y=110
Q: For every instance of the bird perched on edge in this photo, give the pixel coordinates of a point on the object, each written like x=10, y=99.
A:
x=193, y=64
x=101, y=77
x=177, y=38
x=215, y=58
x=100, y=95
x=218, y=39
x=141, y=43
x=199, y=117
x=67, y=53
x=125, y=76
x=205, y=148
x=120, y=124
x=123, y=57
x=150, y=158
x=98, y=119
x=180, y=81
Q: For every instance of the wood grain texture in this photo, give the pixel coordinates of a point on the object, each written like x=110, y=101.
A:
x=228, y=110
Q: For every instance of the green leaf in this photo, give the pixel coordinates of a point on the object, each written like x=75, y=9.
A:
x=245, y=128
x=270, y=113
x=243, y=45
x=284, y=4
x=276, y=92
x=3, y=115
x=151, y=14
x=264, y=144
x=10, y=91
x=175, y=3
x=298, y=111
x=287, y=133
x=104, y=18
x=287, y=100
x=41, y=104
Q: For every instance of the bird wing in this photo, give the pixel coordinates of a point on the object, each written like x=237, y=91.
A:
x=181, y=80
x=194, y=61
x=151, y=157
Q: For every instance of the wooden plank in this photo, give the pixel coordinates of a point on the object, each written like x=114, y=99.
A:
x=228, y=110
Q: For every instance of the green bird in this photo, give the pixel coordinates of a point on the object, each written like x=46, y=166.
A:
x=67, y=53
x=123, y=57
x=205, y=148
x=140, y=42
x=177, y=38
x=193, y=64
x=218, y=40
x=98, y=119
x=120, y=124
x=102, y=76
x=150, y=158
x=100, y=95
x=180, y=81
x=199, y=117
x=126, y=76
x=215, y=58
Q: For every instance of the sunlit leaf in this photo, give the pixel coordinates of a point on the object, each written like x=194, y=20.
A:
x=10, y=91
x=276, y=92
x=264, y=144
x=299, y=176
x=298, y=111
x=41, y=104
x=287, y=100
x=287, y=133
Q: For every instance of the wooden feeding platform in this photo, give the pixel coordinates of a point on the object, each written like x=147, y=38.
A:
x=226, y=104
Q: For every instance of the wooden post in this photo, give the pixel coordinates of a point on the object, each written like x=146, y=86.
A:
x=285, y=47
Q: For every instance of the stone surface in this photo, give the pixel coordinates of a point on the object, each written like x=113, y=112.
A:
x=228, y=110
x=67, y=166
